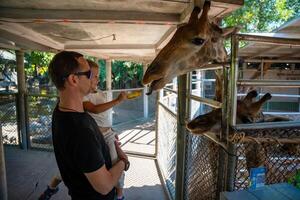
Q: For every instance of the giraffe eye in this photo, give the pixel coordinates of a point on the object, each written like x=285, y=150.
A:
x=197, y=41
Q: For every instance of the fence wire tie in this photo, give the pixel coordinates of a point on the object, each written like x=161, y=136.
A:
x=277, y=140
x=237, y=137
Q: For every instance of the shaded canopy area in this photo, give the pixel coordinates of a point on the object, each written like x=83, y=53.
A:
x=125, y=30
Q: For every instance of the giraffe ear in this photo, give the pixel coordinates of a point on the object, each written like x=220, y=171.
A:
x=226, y=32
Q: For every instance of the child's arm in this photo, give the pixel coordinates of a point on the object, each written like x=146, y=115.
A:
x=90, y=107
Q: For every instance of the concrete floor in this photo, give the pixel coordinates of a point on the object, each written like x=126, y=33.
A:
x=28, y=173
x=137, y=136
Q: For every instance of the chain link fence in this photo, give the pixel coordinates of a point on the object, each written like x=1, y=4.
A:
x=166, y=141
x=40, y=108
x=9, y=120
x=279, y=154
x=201, y=168
x=278, y=149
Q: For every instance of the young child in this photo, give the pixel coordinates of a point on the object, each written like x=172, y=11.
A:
x=97, y=106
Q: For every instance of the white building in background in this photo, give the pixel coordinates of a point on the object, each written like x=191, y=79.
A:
x=8, y=75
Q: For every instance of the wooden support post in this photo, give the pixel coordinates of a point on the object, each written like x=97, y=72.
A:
x=3, y=183
x=21, y=99
x=108, y=86
x=145, y=97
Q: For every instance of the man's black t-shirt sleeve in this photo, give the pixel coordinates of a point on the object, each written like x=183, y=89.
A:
x=87, y=154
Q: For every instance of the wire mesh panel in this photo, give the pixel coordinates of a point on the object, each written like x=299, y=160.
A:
x=40, y=110
x=166, y=155
x=280, y=158
x=8, y=116
x=201, y=168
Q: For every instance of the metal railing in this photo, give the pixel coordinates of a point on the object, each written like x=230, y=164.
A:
x=237, y=173
x=261, y=83
x=225, y=175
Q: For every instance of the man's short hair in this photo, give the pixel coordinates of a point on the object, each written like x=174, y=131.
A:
x=92, y=64
x=63, y=64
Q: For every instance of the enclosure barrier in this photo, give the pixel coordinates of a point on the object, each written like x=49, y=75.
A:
x=274, y=145
x=9, y=119
x=38, y=117
x=207, y=169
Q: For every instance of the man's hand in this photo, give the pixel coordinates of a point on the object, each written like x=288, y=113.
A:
x=122, y=96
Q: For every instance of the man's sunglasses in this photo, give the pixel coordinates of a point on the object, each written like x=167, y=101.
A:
x=88, y=74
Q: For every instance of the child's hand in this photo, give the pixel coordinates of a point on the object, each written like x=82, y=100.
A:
x=122, y=96
x=117, y=137
x=120, y=152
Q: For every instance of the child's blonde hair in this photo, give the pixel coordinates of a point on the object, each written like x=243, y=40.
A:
x=92, y=64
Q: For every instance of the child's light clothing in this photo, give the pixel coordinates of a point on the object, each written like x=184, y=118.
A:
x=102, y=119
x=104, y=124
x=110, y=138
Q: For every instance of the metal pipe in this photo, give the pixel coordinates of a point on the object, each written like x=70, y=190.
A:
x=214, y=66
x=163, y=180
x=124, y=90
x=109, y=95
x=3, y=182
x=270, y=83
x=170, y=90
x=21, y=99
x=181, y=138
x=267, y=125
x=281, y=113
x=167, y=109
x=206, y=101
x=231, y=112
x=269, y=140
x=188, y=93
x=233, y=79
x=145, y=97
x=268, y=39
x=270, y=60
x=156, y=124
x=274, y=95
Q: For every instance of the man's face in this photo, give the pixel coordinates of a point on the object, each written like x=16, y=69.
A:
x=84, y=81
x=95, y=79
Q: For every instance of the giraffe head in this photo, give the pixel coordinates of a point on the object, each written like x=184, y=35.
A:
x=193, y=45
x=248, y=111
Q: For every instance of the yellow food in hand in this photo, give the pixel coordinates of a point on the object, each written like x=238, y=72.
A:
x=134, y=94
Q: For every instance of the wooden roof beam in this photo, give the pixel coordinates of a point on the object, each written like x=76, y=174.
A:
x=40, y=15
x=22, y=43
x=266, y=50
x=109, y=46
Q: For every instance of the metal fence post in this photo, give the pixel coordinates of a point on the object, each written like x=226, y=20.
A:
x=231, y=112
x=27, y=107
x=3, y=183
x=21, y=98
x=181, y=137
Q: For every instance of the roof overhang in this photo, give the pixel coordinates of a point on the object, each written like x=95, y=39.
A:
x=128, y=29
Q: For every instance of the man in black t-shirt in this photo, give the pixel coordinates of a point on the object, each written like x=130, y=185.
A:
x=81, y=153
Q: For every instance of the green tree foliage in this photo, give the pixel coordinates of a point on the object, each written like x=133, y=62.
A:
x=102, y=74
x=36, y=62
x=263, y=15
x=36, y=70
x=126, y=74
